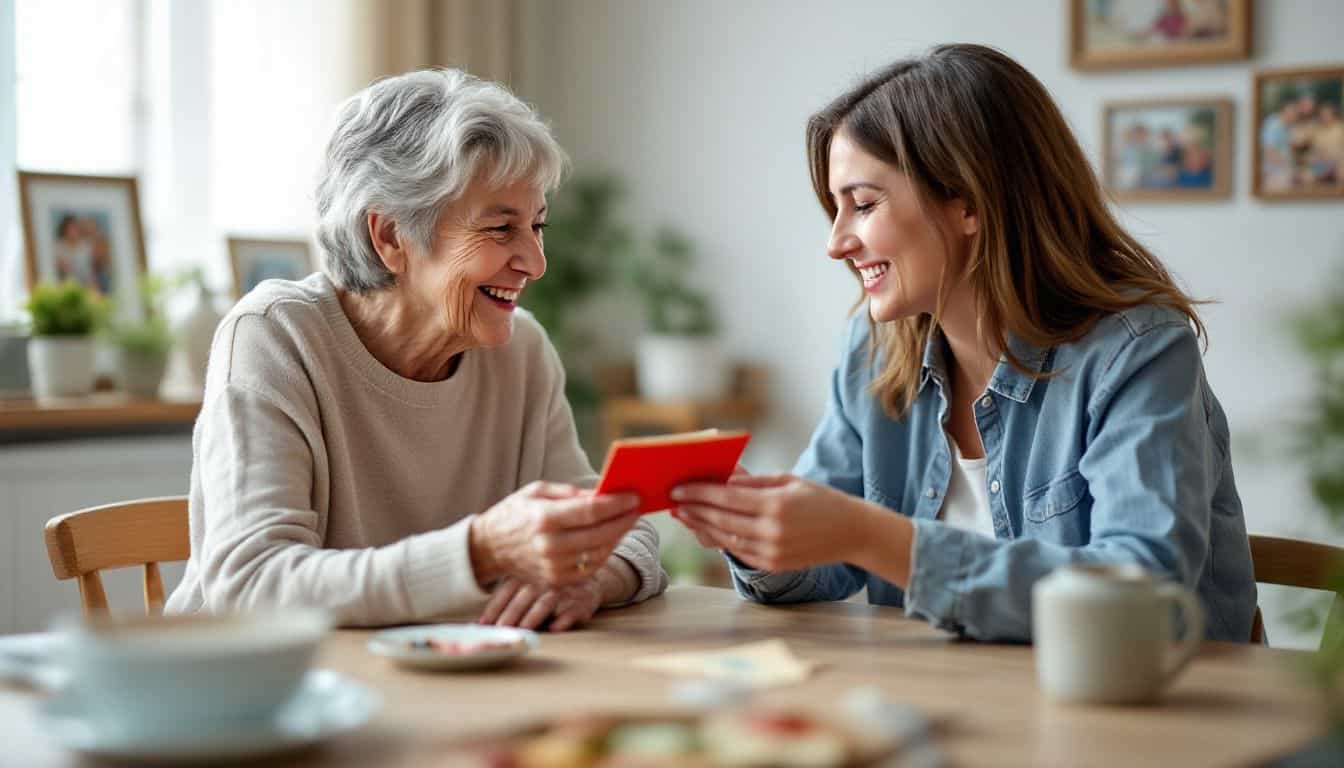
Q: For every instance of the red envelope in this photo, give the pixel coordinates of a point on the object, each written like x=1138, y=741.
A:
x=653, y=466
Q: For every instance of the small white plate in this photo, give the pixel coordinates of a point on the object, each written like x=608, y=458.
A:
x=326, y=704
x=398, y=645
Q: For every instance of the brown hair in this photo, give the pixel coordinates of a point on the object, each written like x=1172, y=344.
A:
x=967, y=122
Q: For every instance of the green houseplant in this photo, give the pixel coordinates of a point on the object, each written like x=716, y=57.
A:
x=679, y=357
x=1319, y=444
x=142, y=343
x=584, y=242
x=60, y=354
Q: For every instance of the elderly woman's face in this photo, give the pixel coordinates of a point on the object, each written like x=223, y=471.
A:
x=487, y=245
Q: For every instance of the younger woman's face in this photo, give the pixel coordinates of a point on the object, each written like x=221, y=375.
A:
x=880, y=229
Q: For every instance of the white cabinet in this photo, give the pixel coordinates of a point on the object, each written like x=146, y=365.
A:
x=41, y=480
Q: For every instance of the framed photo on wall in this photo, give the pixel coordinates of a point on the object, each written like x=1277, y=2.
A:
x=1168, y=149
x=1116, y=34
x=1299, y=133
x=86, y=229
x=253, y=261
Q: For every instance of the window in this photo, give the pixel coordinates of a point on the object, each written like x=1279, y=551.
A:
x=77, y=85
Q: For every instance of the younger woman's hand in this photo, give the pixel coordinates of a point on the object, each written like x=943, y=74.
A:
x=773, y=522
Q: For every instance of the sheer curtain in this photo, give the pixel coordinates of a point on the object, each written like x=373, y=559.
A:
x=480, y=36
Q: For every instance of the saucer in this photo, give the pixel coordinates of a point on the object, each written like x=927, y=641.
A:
x=325, y=704
x=399, y=645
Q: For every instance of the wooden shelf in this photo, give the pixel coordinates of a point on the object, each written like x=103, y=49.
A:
x=622, y=411
x=99, y=411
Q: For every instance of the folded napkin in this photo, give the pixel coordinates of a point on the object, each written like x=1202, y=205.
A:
x=753, y=665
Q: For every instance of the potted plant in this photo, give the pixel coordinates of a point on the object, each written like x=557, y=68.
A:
x=60, y=354
x=142, y=344
x=1318, y=441
x=584, y=240
x=679, y=357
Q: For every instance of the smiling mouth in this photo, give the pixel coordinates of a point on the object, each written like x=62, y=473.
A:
x=874, y=273
x=501, y=296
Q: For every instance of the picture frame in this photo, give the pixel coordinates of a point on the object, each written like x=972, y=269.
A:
x=253, y=261
x=1298, y=119
x=1169, y=149
x=1121, y=34
x=84, y=228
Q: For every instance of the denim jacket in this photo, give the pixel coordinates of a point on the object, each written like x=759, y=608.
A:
x=1121, y=456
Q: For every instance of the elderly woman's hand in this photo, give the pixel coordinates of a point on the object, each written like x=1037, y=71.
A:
x=549, y=533
x=518, y=604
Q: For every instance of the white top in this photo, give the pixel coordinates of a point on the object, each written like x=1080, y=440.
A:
x=320, y=477
x=967, y=502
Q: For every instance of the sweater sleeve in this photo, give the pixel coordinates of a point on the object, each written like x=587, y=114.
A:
x=566, y=462
x=260, y=541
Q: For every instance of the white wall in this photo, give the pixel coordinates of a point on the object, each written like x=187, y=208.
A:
x=701, y=106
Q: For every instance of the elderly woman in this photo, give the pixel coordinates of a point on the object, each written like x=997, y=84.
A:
x=389, y=438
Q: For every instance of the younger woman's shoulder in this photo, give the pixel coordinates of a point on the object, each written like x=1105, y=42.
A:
x=1123, y=343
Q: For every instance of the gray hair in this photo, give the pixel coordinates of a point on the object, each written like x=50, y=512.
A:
x=408, y=145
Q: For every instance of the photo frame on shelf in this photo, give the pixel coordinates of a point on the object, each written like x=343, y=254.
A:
x=1298, y=119
x=1120, y=34
x=1171, y=149
x=253, y=261
x=86, y=229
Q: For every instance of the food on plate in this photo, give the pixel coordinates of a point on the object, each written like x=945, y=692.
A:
x=461, y=647
x=772, y=740
x=742, y=739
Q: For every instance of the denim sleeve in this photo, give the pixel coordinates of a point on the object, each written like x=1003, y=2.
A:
x=1150, y=470
x=834, y=457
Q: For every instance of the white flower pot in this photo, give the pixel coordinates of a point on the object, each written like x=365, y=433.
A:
x=141, y=373
x=681, y=368
x=61, y=366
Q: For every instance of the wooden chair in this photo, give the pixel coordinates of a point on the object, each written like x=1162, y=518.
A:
x=143, y=532
x=1305, y=564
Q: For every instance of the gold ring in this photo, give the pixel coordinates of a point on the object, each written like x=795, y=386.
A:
x=583, y=561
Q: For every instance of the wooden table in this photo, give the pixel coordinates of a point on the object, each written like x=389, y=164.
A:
x=1234, y=705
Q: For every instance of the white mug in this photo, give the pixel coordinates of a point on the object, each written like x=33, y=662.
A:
x=1104, y=633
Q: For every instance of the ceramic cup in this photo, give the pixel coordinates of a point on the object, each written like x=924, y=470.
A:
x=1105, y=633
x=151, y=676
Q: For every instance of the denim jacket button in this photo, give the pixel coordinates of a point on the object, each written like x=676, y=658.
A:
x=986, y=401
x=931, y=493
x=994, y=487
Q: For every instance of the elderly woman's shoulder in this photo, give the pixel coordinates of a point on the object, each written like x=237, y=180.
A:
x=284, y=295
x=272, y=322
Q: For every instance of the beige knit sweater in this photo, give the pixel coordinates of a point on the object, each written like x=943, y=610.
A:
x=320, y=477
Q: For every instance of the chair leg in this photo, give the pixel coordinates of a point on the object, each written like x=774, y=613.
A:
x=1258, y=628
x=91, y=594
x=153, y=590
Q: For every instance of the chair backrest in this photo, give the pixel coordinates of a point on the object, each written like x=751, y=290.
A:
x=143, y=532
x=1306, y=564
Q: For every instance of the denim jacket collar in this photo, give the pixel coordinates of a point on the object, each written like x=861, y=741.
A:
x=1006, y=380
